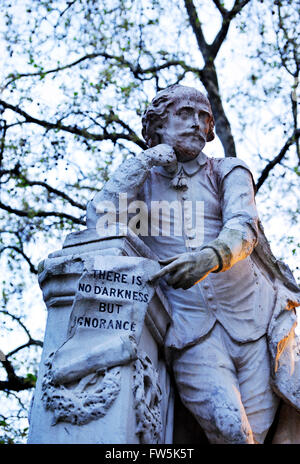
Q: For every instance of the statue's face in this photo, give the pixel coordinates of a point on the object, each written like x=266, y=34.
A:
x=186, y=128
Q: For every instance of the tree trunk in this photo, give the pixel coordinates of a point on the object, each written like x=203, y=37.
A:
x=210, y=81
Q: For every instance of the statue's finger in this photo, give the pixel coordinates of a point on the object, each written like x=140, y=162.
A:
x=165, y=270
x=176, y=278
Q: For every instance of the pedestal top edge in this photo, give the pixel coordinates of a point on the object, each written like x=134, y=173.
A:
x=86, y=236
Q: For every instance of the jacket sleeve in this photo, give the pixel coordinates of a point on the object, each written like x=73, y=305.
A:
x=239, y=233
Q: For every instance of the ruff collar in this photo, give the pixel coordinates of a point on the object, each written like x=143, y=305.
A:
x=184, y=170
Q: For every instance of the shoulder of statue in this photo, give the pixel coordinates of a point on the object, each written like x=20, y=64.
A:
x=223, y=166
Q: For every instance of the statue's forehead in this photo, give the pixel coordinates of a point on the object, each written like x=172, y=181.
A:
x=194, y=100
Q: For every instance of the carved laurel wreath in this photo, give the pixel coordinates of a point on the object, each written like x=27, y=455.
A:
x=82, y=401
x=90, y=398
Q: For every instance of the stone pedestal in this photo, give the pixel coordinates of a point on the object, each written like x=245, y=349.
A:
x=128, y=403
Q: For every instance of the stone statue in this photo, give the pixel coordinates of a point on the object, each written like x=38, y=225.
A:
x=231, y=343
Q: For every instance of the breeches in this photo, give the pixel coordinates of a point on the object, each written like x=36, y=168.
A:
x=226, y=386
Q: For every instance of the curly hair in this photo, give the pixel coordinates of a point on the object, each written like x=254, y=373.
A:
x=157, y=112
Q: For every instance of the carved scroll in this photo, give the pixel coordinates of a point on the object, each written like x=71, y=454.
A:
x=83, y=375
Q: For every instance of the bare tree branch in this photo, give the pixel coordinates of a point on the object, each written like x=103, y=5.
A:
x=30, y=342
x=21, y=252
x=14, y=382
x=114, y=137
x=209, y=52
x=54, y=191
x=238, y=6
x=3, y=129
x=69, y=5
x=17, y=76
x=266, y=171
x=15, y=172
x=33, y=213
x=222, y=34
x=166, y=65
x=220, y=7
x=18, y=320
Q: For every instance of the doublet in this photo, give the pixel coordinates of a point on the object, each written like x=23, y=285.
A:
x=242, y=298
x=249, y=294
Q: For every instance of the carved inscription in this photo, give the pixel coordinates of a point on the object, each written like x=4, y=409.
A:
x=111, y=291
x=107, y=316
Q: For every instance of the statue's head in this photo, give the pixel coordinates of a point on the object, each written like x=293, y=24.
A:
x=181, y=117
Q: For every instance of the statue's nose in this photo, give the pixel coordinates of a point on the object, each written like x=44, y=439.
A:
x=196, y=121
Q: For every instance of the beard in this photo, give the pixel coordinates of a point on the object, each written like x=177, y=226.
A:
x=188, y=148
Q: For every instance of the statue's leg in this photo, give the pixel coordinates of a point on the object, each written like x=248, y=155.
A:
x=208, y=387
x=253, y=371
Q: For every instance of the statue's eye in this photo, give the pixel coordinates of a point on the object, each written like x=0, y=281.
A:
x=184, y=112
x=204, y=116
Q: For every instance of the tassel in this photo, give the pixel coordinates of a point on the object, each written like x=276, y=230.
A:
x=179, y=182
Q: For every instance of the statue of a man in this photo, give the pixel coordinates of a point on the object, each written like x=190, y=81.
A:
x=221, y=293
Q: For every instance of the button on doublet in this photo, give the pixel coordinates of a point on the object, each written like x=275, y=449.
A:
x=209, y=295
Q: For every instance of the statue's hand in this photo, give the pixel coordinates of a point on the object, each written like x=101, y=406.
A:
x=161, y=155
x=187, y=269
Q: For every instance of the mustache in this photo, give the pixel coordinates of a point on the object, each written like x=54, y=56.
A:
x=193, y=133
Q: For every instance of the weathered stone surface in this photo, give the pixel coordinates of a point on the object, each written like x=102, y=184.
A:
x=241, y=286
x=230, y=339
x=147, y=395
x=80, y=402
x=107, y=316
x=87, y=372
